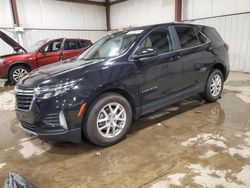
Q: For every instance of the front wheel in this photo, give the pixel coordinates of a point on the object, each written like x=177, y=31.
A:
x=214, y=86
x=17, y=72
x=108, y=119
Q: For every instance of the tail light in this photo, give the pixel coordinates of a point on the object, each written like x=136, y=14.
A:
x=226, y=45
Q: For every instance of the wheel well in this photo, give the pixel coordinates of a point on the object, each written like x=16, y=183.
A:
x=125, y=95
x=19, y=64
x=221, y=68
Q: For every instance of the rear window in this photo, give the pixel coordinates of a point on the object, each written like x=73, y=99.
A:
x=71, y=45
x=84, y=43
x=213, y=35
x=187, y=36
x=202, y=39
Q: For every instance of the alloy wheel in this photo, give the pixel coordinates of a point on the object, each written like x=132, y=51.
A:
x=111, y=120
x=215, y=86
x=19, y=73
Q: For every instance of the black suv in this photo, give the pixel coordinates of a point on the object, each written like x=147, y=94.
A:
x=120, y=78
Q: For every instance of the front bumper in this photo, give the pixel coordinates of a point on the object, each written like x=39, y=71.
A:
x=43, y=117
x=63, y=135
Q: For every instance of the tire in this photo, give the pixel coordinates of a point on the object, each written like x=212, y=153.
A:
x=17, y=72
x=104, y=132
x=212, y=94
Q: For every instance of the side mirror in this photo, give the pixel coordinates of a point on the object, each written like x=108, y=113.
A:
x=145, y=52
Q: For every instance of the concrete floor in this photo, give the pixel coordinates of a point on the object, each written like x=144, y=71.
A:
x=191, y=144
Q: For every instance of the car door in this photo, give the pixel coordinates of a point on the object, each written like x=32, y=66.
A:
x=71, y=48
x=196, y=54
x=50, y=53
x=158, y=75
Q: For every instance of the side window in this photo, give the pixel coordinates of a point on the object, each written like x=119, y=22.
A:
x=71, y=45
x=159, y=39
x=84, y=44
x=187, y=36
x=201, y=37
x=213, y=35
x=53, y=46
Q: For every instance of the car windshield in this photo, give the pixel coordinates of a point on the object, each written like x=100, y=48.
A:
x=110, y=46
x=35, y=46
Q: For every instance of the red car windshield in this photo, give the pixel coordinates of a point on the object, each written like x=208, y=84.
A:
x=35, y=46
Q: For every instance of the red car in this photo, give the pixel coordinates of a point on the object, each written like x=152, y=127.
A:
x=15, y=66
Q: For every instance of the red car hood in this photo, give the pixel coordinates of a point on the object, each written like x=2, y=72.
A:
x=9, y=55
x=11, y=42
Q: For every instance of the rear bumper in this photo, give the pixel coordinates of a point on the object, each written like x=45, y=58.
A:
x=63, y=135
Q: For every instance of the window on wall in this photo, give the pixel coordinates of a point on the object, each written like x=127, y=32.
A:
x=187, y=36
x=159, y=39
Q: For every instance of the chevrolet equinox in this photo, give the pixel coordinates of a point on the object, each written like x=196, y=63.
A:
x=120, y=78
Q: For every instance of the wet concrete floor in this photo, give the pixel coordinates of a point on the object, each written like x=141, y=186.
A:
x=190, y=144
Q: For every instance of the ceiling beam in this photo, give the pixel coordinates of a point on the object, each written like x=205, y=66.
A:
x=117, y=1
x=95, y=2
x=15, y=13
x=87, y=2
x=178, y=10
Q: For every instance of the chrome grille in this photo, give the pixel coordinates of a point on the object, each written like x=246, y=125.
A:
x=24, y=98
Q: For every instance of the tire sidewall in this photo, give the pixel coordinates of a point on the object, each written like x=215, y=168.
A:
x=209, y=95
x=11, y=78
x=90, y=125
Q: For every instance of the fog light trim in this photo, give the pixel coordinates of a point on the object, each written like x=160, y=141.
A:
x=62, y=120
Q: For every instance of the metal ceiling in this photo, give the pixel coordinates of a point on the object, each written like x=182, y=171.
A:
x=96, y=2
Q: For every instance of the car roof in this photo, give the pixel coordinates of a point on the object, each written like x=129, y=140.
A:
x=51, y=39
x=149, y=27
x=75, y=39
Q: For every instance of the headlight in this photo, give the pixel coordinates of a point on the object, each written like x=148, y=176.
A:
x=46, y=92
x=1, y=61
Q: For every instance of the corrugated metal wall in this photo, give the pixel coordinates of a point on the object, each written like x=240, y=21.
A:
x=193, y=9
x=60, y=14
x=235, y=29
x=6, y=23
x=51, y=19
x=141, y=12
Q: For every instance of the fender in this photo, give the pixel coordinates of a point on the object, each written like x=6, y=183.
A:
x=131, y=97
x=16, y=64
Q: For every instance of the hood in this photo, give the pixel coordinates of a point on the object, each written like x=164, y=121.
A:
x=11, y=42
x=52, y=74
x=11, y=55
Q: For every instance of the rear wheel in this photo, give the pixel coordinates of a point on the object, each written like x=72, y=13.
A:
x=214, y=86
x=17, y=72
x=108, y=119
